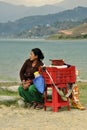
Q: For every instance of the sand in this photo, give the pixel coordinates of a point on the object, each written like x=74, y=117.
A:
x=14, y=118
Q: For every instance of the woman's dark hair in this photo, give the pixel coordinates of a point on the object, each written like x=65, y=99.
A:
x=38, y=53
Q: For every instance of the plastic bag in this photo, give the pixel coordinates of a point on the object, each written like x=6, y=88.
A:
x=39, y=83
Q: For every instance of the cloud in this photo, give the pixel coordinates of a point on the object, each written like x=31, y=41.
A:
x=32, y=2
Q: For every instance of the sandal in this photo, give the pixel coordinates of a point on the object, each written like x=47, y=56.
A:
x=39, y=106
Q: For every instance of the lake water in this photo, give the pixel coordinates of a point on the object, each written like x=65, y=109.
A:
x=13, y=53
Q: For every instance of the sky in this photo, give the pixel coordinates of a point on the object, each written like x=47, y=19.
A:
x=32, y=2
x=46, y=2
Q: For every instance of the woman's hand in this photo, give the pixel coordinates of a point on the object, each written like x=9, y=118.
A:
x=26, y=84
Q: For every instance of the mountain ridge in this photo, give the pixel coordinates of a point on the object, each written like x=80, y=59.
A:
x=74, y=17
x=10, y=12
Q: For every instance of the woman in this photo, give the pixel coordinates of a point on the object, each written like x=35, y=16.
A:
x=27, y=90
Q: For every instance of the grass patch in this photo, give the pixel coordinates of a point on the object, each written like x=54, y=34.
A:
x=83, y=92
x=82, y=89
x=8, y=93
x=8, y=83
x=9, y=103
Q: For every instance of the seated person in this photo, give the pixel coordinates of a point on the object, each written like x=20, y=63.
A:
x=27, y=90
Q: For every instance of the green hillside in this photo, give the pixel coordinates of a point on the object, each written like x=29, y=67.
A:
x=76, y=32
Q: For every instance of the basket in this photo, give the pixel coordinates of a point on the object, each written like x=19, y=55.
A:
x=60, y=76
x=66, y=75
x=52, y=72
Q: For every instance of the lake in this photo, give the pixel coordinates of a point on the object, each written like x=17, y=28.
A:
x=14, y=52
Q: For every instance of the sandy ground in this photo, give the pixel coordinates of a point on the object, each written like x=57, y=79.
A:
x=12, y=118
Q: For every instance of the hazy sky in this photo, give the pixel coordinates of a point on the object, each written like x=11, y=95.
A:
x=45, y=2
x=32, y=2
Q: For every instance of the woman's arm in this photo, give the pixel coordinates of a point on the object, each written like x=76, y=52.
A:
x=22, y=71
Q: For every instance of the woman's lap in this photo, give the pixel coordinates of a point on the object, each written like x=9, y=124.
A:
x=31, y=94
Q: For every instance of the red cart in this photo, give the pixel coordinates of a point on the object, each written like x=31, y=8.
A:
x=57, y=78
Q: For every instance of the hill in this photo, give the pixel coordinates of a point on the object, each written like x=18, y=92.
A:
x=62, y=20
x=79, y=30
x=76, y=32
